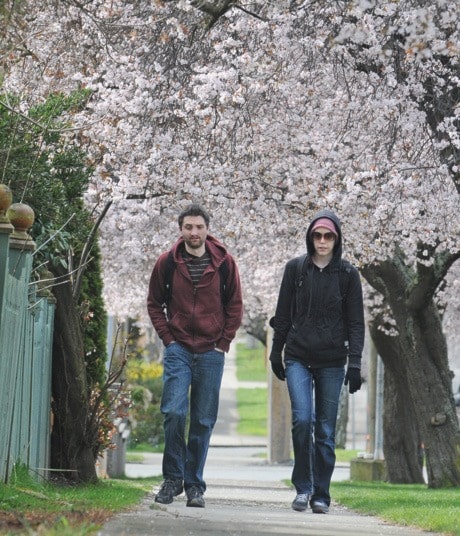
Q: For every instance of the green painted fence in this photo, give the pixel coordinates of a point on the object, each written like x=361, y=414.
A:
x=26, y=332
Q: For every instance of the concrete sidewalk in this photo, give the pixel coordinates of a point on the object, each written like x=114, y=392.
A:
x=245, y=495
x=235, y=510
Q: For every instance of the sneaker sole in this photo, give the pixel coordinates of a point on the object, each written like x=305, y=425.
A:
x=195, y=504
x=162, y=501
x=320, y=510
x=299, y=508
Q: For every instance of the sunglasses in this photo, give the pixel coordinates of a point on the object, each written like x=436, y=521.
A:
x=327, y=236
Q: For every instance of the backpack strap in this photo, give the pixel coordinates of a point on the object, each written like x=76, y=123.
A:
x=298, y=282
x=299, y=271
x=168, y=276
x=344, y=277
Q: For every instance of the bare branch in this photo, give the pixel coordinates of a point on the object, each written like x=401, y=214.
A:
x=86, y=250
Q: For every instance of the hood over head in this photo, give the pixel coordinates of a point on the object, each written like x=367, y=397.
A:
x=325, y=213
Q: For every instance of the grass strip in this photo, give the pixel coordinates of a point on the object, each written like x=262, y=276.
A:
x=414, y=505
x=28, y=507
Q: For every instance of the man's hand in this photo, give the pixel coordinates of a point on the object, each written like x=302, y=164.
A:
x=277, y=366
x=353, y=380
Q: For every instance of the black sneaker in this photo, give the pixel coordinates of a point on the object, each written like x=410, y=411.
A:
x=319, y=507
x=168, y=490
x=195, y=497
x=300, y=503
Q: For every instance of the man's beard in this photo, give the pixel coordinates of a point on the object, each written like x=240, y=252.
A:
x=194, y=244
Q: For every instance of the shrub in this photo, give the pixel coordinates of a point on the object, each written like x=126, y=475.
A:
x=146, y=385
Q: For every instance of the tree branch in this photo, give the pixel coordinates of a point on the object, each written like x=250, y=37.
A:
x=215, y=10
x=87, y=249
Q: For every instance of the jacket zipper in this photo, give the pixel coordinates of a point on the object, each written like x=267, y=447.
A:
x=193, y=312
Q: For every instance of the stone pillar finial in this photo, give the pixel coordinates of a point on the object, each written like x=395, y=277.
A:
x=22, y=218
x=6, y=198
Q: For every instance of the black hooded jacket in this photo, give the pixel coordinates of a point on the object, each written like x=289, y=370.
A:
x=322, y=331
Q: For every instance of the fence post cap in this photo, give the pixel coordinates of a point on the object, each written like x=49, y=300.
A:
x=6, y=198
x=22, y=218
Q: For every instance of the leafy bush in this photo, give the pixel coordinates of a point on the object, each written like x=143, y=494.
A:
x=146, y=385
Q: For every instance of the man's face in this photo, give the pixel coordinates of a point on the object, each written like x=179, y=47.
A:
x=194, y=231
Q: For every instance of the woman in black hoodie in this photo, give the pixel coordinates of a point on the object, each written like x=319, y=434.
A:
x=319, y=323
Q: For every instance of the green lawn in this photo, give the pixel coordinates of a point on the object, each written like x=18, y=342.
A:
x=33, y=508
x=436, y=510
x=250, y=362
x=252, y=410
x=251, y=402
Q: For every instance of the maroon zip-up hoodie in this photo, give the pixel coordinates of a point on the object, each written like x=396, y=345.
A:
x=196, y=316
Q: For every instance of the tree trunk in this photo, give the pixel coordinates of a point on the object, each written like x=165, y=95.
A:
x=431, y=389
x=419, y=373
x=401, y=444
x=256, y=327
x=72, y=453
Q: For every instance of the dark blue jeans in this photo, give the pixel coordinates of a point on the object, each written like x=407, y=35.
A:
x=314, y=395
x=189, y=381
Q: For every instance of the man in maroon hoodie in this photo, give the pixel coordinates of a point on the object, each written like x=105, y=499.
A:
x=196, y=319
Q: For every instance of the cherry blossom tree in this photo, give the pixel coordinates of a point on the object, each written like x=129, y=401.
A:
x=265, y=114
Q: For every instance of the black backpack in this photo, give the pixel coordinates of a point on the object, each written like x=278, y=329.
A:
x=168, y=277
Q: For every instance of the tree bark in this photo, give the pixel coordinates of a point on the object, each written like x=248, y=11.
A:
x=418, y=388
x=256, y=327
x=72, y=450
x=402, y=443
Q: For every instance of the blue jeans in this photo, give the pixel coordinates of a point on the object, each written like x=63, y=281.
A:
x=314, y=395
x=189, y=380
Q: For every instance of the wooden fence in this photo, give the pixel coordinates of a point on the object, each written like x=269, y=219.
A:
x=26, y=333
